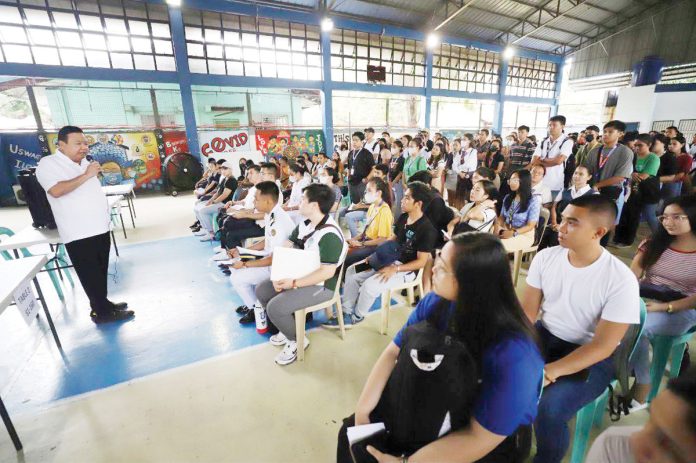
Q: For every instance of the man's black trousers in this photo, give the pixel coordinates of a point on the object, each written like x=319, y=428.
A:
x=90, y=257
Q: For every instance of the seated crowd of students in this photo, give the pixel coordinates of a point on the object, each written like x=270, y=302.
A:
x=456, y=210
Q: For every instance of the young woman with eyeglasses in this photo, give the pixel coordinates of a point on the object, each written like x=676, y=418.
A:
x=666, y=267
x=473, y=302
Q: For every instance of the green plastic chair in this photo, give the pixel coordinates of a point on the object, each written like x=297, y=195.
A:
x=665, y=347
x=593, y=413
x=60, y=260
x=215, y=224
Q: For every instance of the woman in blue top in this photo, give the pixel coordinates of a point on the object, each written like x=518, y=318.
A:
x=472, y=283
x=519, y=214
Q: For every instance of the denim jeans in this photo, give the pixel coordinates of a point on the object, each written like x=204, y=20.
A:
x=398, y=189
x=359, y=254
x=667, y=324
x=353, y=219
x=650, y=215
x=561, y=400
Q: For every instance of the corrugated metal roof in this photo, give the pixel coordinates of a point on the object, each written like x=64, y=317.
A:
x=491, y=20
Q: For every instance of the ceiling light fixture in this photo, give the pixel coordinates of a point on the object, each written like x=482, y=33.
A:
x=175, y=3
x=433, y=40
x=508, y=53
x=327, y=25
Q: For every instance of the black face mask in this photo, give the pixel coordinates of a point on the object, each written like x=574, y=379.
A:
x=494, y=149
x=589, y=138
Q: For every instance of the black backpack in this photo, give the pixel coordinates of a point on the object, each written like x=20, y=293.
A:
x=435, y=382
x=35, y=196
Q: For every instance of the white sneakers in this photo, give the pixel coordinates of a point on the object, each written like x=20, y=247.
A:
x=201, y=232
x=289, y=352
x=207, y=237
x=218, y=249
x=278, y=339
x=221, y=256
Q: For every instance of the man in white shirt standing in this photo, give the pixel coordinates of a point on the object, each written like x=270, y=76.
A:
x=82, y=215
x=552, y=153
x=585, y=299
x=371, y=143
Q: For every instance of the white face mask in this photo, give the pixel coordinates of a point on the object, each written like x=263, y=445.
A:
x=324, y=179
x=292, y=179
x=370, y=197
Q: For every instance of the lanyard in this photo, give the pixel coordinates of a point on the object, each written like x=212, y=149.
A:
x=512, y=212
x=602, y=160
x=549, y=146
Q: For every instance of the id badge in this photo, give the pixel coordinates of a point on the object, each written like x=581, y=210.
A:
x=352, y=171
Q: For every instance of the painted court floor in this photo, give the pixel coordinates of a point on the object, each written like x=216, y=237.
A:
x=190, y=382
x=183, y=382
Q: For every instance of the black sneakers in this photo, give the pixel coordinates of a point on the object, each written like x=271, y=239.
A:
x=247, y=318
x=111, y=316
x=242, y=309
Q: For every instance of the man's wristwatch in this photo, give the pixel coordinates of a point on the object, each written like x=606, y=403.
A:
x=670, y=308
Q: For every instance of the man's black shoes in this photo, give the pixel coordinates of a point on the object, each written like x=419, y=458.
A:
x=119, y=305
x=111, y=316
x=247, y=318
x=242, y=309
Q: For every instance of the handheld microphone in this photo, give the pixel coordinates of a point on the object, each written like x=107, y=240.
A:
x=90, y=158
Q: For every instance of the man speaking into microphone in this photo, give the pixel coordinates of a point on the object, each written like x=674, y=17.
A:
x=82, y=215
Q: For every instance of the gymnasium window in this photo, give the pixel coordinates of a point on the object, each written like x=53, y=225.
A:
x=235, y=45
x=117, y=34
x=352, y=51
x=465, y=69
x=531, y=78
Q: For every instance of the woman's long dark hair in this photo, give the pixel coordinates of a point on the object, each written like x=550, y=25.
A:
x=524, y=191
x=487, y=307
x=381, y=185
x=661, y=240
x=680, y=139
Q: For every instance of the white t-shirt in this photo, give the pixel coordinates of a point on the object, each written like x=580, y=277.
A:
x=296, y=193
x=543, y=191
x=278, y=228
x=488, y=214
x=250, y=198
x=82, y=213
x=469, y=161
x=372, y=146
x=550, y=150
x=575, y=299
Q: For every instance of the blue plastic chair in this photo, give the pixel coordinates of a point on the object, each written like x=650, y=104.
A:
x=60, y=261
x=593, y=413
x=665, y=347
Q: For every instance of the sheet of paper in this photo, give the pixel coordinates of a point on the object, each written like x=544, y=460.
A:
x=251, y=252
x=26, y=302
x=290, y=263
x=358, y=433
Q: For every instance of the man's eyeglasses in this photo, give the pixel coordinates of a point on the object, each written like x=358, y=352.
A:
x=673, y=218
